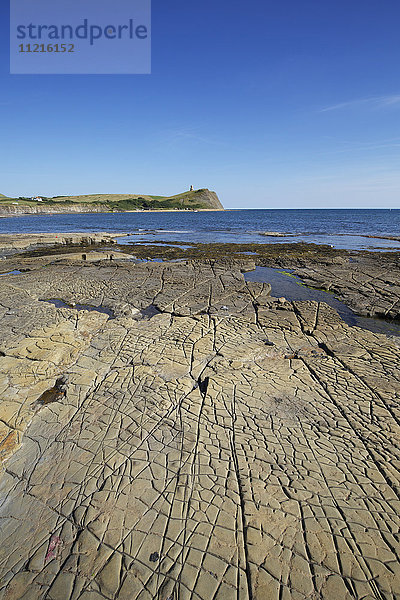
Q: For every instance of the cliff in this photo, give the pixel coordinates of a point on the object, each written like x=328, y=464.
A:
x=44, y=208
x=203, y=198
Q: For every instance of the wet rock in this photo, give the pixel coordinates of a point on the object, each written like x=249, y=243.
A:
x=370, y=286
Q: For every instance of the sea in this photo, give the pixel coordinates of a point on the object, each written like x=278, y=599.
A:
x=340, y=228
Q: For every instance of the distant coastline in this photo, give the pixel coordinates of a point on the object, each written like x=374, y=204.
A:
x=85, y=211
x=193, y=200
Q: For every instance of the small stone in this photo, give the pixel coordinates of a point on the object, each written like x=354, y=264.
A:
x=154, y=557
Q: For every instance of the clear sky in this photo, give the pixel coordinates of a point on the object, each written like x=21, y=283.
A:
x=271, y=104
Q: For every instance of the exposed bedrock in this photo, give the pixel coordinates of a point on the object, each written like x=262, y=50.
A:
x=13, y=243
x=368, y=282
x=209, y=442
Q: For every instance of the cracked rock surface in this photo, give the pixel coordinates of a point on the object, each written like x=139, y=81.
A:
x=369, y=283
x=209, y=442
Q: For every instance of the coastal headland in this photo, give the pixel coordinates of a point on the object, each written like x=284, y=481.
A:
x=202, y=199
x=169, y=430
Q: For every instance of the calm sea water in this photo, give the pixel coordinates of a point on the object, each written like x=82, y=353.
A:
x=340, y=228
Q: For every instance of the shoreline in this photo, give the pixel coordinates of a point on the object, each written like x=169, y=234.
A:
x=365, y=281
x=277, y=235
x=110, y=212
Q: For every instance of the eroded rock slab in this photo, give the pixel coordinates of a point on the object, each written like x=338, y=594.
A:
x=368, y=283
x=12, y=243
x=208, y=443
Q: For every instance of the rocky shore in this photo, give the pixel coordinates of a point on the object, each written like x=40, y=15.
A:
x=368, y=282
x=16, y=242
x=170, y=431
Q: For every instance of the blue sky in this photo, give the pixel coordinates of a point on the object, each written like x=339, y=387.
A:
x=272, y=105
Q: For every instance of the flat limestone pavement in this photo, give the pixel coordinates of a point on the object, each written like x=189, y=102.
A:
x=369, y=284
x=208, y=442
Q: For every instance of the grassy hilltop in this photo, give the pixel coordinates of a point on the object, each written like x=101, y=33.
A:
x=202, y=199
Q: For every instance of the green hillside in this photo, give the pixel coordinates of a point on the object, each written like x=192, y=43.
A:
x=201, y=199
x=196, y=199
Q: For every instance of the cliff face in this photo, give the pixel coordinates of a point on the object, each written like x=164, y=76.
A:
x=209, y=199
x=36, y=209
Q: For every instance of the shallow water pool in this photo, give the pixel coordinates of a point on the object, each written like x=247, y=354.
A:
x=290, y=286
